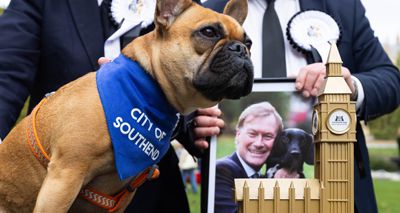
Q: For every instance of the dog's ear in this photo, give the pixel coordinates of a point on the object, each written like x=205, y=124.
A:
x=236, y=9
x=168, y=10
x=309, y=155
x=277, y=151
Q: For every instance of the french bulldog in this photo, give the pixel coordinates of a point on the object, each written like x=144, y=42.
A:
x=196, y=56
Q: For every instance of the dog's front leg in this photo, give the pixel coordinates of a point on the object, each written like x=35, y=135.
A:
x=61, y=186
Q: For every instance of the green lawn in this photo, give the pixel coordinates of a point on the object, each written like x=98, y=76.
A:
x=194, y=200
x=386, y=191
x=382, y=158
x=387, y=152
x=387, y=195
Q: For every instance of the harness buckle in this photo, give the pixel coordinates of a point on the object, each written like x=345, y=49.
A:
x=153, y=173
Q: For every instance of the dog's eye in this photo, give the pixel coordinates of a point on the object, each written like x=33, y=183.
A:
x=248, y=43
x=285, y=140
x=209, y=32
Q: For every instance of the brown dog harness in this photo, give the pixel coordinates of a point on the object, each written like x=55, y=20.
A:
x=110, y=203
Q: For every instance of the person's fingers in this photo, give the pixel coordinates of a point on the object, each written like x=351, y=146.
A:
x=201, y=132
x=201, y=143
x=308, y=77
x=207, y=121
x=103, y=60
x=313, y=75
x=347, y=77
x=279, y=174
x=301, y=77
x=210, y=111
x=317, y=85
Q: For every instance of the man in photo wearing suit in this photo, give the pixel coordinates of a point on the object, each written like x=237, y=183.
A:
x=256, y=130
x=372, y=77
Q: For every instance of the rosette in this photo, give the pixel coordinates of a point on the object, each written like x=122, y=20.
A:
x=311, y=31
x=125, y=10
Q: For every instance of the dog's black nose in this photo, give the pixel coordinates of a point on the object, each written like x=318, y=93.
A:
x=238, y=48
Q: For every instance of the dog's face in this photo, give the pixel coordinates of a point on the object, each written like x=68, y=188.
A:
x=291, y=149
x=200, y=55
x=226, y=71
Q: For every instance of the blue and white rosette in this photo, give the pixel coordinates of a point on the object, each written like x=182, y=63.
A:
x=312, y=31
x=127, y=10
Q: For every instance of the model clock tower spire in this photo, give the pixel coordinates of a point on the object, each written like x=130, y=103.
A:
x=334, y=129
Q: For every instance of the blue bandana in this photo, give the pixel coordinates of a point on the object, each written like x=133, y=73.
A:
x=139, y=118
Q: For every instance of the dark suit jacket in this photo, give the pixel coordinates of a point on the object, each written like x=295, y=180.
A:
x=45, y=44
x=227, y=169
x=364, y=56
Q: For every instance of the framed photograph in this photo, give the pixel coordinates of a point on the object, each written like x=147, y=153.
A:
x=244, y=148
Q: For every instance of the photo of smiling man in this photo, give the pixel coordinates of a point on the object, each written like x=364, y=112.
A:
x=256, y=130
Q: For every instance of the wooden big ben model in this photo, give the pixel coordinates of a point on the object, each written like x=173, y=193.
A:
x=334, y=129
x=332, y=189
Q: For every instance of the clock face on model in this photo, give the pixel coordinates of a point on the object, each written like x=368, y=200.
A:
x=338, y=121
x=315, y=122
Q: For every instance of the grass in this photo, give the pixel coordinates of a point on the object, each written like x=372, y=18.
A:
x=194, y=200
x=383, y=158
x=387, y=195
x=387, y=152
x=386, y=191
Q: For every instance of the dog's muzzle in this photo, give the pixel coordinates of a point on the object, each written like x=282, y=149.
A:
x=229, y=75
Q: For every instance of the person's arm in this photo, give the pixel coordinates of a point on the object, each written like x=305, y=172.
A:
x=380, y=79
x=224, y=190
x=19, y=55
x=363, y=58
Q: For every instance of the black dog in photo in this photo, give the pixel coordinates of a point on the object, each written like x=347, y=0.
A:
x=291, y=149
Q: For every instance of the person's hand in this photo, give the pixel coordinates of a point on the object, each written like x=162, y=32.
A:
x=311, y=78
x=103, y=60
x=284, y=173
x=207, y=123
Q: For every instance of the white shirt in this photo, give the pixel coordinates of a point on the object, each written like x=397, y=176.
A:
x=253, y=26
x=112, y=46
x=249, y=171
x=294, y=59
